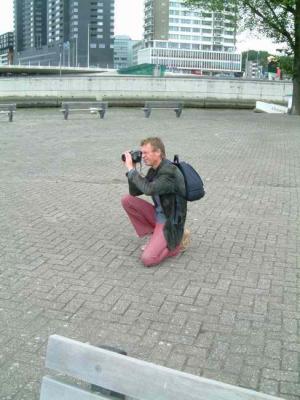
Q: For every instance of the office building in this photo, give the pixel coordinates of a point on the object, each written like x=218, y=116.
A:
x=123, y=51
x=30, y=20
x=65, y=32
x=189, y=40
x=6, y=48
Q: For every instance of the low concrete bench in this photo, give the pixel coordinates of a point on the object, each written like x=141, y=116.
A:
x=150, y=105
x=9, y=110
x=94, y=107
x=125, y=377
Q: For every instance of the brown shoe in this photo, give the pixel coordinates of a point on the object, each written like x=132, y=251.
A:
x=186, y=240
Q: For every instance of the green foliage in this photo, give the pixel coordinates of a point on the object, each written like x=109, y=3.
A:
x=277, y=19
x=286, y=64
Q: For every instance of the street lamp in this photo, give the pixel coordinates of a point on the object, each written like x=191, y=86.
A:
x=60, y=46
x=76, y=58
x=88, y=52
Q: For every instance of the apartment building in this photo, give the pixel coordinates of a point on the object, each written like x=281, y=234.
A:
x=30, y=24
x=65, y=32
x=189, y=40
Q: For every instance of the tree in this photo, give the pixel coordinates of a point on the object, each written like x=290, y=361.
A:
x=286, y=65
x=278, y=19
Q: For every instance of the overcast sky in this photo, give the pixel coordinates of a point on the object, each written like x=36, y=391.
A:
x=129, y=21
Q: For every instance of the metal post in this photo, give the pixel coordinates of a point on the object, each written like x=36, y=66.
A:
x=76, y=51
x=69, y=55
x=60, y=61
x=88, y=53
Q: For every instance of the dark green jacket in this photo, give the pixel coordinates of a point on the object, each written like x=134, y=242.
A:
x=168, y=183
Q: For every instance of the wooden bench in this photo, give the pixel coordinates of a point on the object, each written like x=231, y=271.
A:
x=150, y=105
x=126, y=377
x=9, y=110
x=94, y=107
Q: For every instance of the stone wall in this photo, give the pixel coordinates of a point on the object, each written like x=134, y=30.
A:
x=129, y=90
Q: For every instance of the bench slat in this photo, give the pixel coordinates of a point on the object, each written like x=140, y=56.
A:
x=94, y=107
x=54, y=390
x=84, y=109
x=163, y=104
x=10, y=107
x=177, y=106
x=85, y=105
x=136, y=378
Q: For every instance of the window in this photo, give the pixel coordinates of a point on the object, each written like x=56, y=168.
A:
x=184, y=45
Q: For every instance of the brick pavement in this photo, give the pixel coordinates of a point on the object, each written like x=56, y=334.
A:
x=227, y=309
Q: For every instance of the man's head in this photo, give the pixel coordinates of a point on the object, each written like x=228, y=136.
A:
x=153, y=151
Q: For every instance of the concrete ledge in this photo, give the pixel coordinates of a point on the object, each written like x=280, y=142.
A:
x=131, y=90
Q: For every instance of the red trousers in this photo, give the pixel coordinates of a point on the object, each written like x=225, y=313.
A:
x=142, y=216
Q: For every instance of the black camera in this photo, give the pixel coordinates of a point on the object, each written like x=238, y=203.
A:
x=136, y=156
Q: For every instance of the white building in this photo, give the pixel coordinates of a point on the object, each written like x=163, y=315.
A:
x=189, y=40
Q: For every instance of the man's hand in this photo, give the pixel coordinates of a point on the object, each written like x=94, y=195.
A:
x=128, y=161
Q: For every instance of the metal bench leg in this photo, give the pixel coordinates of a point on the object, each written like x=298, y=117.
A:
x=101, y=114
x=147, y=112
x=178, y=113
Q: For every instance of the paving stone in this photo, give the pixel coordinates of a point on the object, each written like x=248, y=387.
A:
x=290, y=389
x=269, y=386
x=290, y=361
x=250, y=377
x=227, y=309
x=176, y=361
x=283, y=376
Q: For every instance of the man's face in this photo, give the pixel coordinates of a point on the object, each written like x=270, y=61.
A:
x=151, y=157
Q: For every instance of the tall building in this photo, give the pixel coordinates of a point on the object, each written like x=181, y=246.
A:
x=6, y=48
x=65, y=32
x=30, y=18
x=188, y=40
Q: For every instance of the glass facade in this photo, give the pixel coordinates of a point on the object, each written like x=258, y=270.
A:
x=67, y=32
x=123, y=51
x=6, y=48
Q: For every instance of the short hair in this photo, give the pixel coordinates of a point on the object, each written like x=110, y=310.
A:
x=156, y=143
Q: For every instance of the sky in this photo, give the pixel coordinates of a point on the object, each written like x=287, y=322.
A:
x=129, y=21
